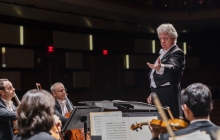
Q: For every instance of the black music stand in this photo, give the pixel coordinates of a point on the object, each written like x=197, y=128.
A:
x=123, y=106
x=78, y=118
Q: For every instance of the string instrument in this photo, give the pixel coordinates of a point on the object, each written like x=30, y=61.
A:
x=74, y=134
x=165, y=125
x=69, y=105
x=55, y=131
x=18, y=102
x=160, y=126
x=77, y=134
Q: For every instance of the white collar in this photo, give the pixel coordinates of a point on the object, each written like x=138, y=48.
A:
x=61, y=102
x=198, y=120
x=8, y=103
x=165, y=51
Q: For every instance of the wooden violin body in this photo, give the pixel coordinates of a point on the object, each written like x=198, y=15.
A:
x=160, y=126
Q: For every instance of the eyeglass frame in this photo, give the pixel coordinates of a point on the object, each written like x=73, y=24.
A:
x=63, y=90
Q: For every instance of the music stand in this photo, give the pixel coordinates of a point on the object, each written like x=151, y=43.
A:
x=78, y=118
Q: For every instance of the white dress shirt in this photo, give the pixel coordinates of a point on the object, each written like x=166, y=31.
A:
x=9, y=104
x=63, y=106
x=161, y=70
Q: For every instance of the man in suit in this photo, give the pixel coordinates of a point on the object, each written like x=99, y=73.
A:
x=7, y=110
x=196, y=104
x=167, y=71
x=61, y=106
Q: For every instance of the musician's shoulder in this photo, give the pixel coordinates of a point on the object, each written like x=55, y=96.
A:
x=37, y=136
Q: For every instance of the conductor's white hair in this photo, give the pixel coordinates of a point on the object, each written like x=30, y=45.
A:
x=168, y=28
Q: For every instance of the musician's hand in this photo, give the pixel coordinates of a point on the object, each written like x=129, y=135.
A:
x=154, y=133
x=149, y=99
x=88, y=136
x=58, y=122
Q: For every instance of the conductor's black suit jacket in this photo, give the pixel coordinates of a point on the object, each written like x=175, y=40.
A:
x=174, y=63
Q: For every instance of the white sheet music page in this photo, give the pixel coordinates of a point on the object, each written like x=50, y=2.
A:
x=140, y=134
x=95, y=120
x=120, y=128
x=115, y=129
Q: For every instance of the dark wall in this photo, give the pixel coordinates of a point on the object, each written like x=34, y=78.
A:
x=107, y=72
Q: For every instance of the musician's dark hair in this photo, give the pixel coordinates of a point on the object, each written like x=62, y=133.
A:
x=35, y=113
x=198, y=98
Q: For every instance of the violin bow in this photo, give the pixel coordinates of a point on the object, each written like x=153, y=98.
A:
x=38, y=85
x=168, y=110
x=163, y=115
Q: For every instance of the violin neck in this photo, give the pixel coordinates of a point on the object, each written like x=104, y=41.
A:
x=144, y=123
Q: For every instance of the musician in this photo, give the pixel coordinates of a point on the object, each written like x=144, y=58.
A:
x=61, y=108
x=35, y=116
x=196, y=105
x=7, y=110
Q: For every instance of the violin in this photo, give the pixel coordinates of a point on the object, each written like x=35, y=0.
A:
x=160, y=126
x=163, y=126
x=171, y=124
x=55, y=131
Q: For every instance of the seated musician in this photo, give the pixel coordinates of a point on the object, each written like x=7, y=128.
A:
x=196, y=104
x=61, y=108
x=7, y=110
x=35, y=116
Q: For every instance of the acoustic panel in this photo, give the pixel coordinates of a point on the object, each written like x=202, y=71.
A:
x=71, y=41
x=14, y=77
x=10, y=34
x=19, y=58
x=81, y=79
x=74, y=60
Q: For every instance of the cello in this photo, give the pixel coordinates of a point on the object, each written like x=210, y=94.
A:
x=55, y=131
x=74, y=134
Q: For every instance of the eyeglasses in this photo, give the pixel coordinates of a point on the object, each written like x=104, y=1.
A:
x=62, y=90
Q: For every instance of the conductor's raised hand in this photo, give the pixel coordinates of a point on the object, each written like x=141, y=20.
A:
x=150, y=65
x=155, y=66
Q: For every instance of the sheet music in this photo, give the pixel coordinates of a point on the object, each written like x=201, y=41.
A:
x=140, y=134
x=115, y=129
x=95, y=120
x=119, y=129
x=112, y=126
